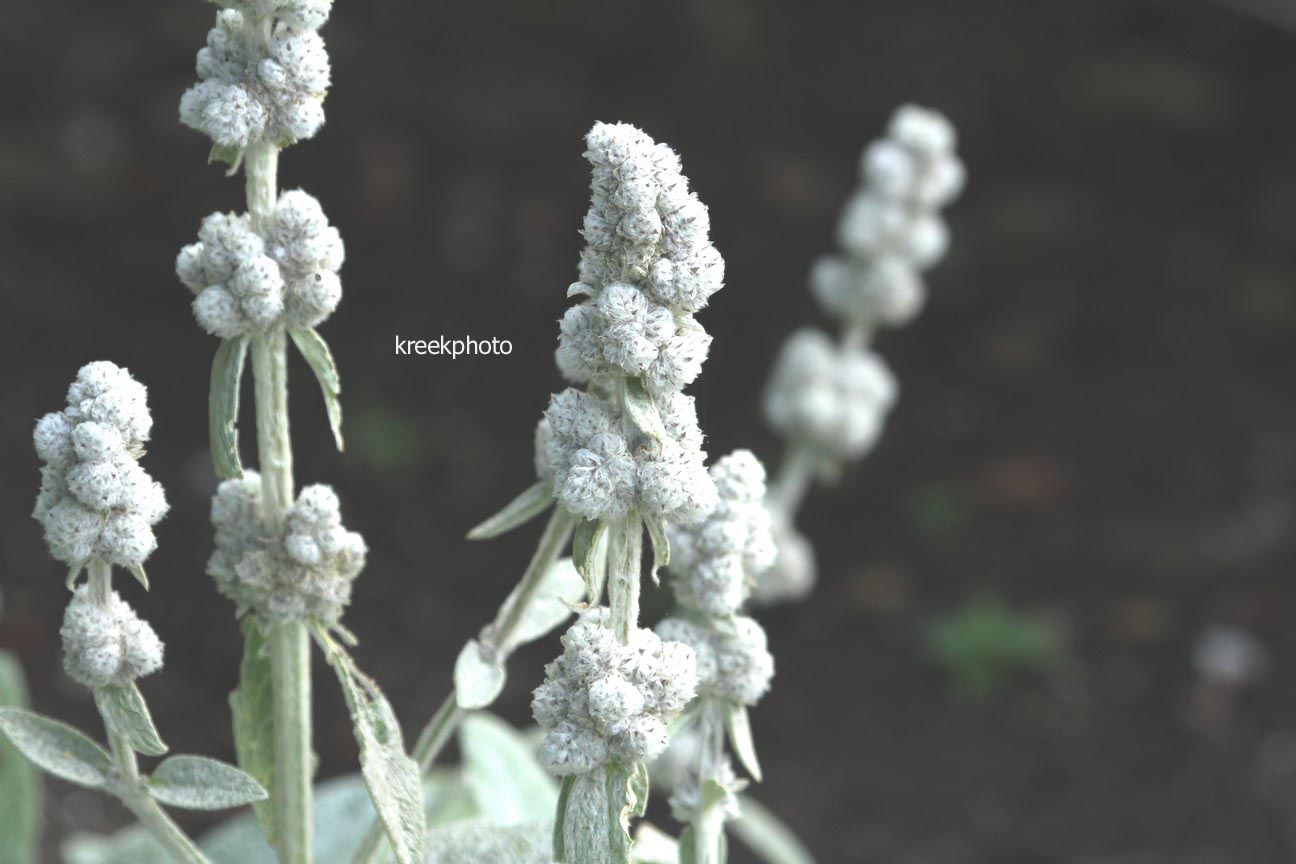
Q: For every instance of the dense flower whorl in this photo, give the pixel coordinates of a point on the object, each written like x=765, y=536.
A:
x=833, y=399
x=305, y=573
x=794, y=572
x=251, y=89
x=686, y=796
x=891, y=229
x=247, y=281
x=582, y=449
x=715, y=563
x=108, y=644
x=647, y=266
x=733, y=658
x=96, y=501
x=602, y=701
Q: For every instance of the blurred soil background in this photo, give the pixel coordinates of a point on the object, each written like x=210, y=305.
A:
x=1097, y=423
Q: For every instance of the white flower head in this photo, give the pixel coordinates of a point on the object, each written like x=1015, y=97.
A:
x=602, y=701
x=96, y=500
x=833, y=399
x=107, y=644
x=246, y=282
x=252, y=90
x=794, y=573
x=304, y=573
x=732, y=656
x=891, y=229
x=596, y=475
x=716, y=562
x=686, y=796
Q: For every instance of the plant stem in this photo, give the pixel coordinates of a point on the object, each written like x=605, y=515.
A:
x=289, y=642
x=446, y=720
x=792, y=484
x=708, y=822
x=130, y=786
x=625, y=555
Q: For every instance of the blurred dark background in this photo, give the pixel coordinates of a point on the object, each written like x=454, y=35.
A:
x=1096, y=424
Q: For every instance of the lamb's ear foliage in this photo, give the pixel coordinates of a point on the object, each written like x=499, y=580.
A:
x=198, y=783
x=392, y=777
x=125, y=712
x=252, y=708
x=522, y=509
x=223, y=406
x=57, y=748
x=316, y=352
x=21, y=803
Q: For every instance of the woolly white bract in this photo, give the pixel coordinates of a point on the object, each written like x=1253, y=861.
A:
x=105, y=644
x=249, y=89
x=603, y=701
x=832, y=398
x=248, y=281
x=96, y=501
x=303, y=574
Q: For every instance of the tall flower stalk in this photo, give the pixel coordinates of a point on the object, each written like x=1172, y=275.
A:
x=98, y=507
x=260, y=279
x=829, y=399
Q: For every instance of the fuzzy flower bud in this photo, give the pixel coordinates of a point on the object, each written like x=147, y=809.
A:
x=247, y=282
x=733, y=658
x=833, y=399
x=596, y=475
x=602, y=701
x=252, y=90
x=715, y=563
x=96, y=501
x=107, y=644
x=304, y=573
x=891, y=229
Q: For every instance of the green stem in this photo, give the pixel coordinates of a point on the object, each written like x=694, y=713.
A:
x=446, y=720
x=625, y=557
x=130, y=786
x=793, y=481
x=708, y=821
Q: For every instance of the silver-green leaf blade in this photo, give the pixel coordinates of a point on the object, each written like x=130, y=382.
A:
x=522, y=509
x=21, y=799
x=252, y=710
x=199, y=783
x=125, y=712
x=57, y=747
x=223, y=407
x=738, y=726
x=502, y=773
x=316, y=352
x=478, y=678
x=765, y=834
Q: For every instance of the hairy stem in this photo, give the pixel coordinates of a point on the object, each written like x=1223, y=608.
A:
x=446, y=720
x=792, y=484
x=708, y=821
x=289, y=642
x=130, y=786
x=625, y=556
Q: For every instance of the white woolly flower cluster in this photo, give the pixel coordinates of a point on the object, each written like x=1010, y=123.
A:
x=304, y=573
x=647, y=266
x=732, y=656
x=107, y=644
x=583, y=449
x=686, y=797
x=252, y=88
x=832, y=399
x=602, y=701
x=715, y=563
x=892, y=230
x=794, y=572
x=247, y=281
x=96, y=501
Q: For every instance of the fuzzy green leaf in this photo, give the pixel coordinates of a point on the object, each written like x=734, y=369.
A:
x=57, y=747
x=73, y=572
x=223, y=407
x=654, y=846
x=522, y=509
x=560, y=589
x=738, y=725
x=140, y=576
x=199, y=783
x=639, y=785
x=252, y=709
x=320, y=359
x=642, y=410
x=620, y=803
x=660, y=543
x=593, y=820
x=763, y=833
x=478, y=678
x=21, y=802
x=231, y=156
x=588, y=551
x=125, y=712
x=502, y=773
x=392, y=777
x=560, y=819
